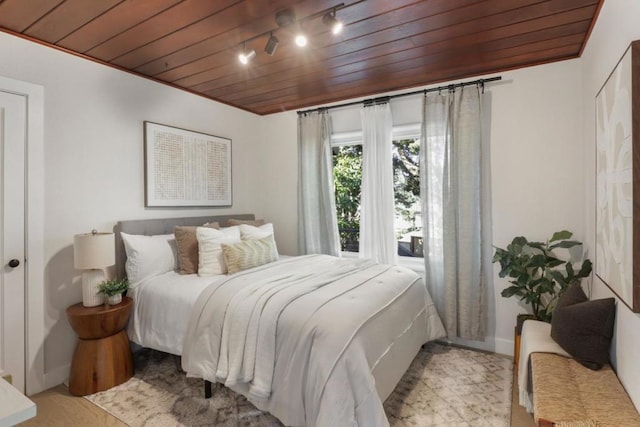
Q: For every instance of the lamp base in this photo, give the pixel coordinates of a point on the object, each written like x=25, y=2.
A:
x=90, y=281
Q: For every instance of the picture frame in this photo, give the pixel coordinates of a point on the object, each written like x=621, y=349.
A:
x=618, y=179
x=186, y=168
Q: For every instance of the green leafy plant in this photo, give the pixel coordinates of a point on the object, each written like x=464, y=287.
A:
x=538, y=276
x=113, y=287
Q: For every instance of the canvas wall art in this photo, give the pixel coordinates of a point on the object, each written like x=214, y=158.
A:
x=186, y=168
x=617, y=179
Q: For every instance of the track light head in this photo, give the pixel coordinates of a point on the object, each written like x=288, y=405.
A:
x=272, y=45
x=246, y=55
x=301, y=40
x=330, y=21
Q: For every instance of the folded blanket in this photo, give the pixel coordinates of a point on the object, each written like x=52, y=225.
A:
x=536, y=338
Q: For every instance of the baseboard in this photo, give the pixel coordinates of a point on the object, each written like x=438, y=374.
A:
x=495, y=345
x=504, y=346
x=56, y=376
x=8, y=378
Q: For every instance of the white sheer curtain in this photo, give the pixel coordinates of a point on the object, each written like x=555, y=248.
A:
x=377, y=236
x=317, y=222
x=455, y=194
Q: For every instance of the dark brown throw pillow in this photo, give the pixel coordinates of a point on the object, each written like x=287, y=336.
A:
x=187, y=245
x=584, y=328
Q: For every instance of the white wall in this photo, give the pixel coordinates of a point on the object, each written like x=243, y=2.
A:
x=536, y=158
x=93, y=137
x=616, y=27
x=537, y=168
x=279, y=191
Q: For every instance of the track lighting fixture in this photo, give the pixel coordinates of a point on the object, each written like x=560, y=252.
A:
x=272, y=45
x=246, y=55
x=332, y=22
x=287, y=21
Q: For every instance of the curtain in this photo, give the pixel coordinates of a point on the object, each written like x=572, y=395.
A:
x=377, y=236
x=455, y=197
x=317, y=222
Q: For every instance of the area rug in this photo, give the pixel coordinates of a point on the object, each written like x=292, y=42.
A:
x=445, y=386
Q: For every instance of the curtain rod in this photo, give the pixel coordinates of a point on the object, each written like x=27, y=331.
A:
x=383, y=99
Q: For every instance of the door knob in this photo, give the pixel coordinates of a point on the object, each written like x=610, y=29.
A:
x=14, y=263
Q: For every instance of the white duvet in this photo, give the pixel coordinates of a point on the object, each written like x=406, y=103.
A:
x=286, y=335
x=162, y=307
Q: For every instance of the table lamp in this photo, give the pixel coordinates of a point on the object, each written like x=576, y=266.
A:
x=91, y=253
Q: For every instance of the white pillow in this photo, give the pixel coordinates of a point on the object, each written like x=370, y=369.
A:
x=149, y=255
x=250, y=232
x=210, y=260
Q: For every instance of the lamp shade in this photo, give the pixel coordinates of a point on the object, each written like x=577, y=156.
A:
x=93, y=250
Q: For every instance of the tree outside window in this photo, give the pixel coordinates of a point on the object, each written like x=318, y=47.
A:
x=347, y=171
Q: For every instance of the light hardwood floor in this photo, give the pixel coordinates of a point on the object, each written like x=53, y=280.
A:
x=56, y=407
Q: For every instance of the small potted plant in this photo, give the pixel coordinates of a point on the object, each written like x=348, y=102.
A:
x=538, y=276
x=112, y=290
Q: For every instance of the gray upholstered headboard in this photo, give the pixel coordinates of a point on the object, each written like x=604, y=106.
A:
x=150, y=227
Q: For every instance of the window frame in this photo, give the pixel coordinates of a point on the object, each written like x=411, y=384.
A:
x=406, y=131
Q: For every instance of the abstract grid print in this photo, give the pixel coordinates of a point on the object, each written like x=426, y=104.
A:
x=445, y=386
x=186, y=168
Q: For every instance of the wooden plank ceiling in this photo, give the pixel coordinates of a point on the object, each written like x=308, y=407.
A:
x=385, y=44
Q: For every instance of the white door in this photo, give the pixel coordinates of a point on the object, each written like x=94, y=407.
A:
x=13, y=110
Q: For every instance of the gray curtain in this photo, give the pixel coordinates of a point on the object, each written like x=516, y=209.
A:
x=317, y=221
x=455, y=198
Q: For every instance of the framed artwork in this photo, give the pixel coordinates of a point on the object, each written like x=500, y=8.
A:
x=618, y=179
x=186, y=168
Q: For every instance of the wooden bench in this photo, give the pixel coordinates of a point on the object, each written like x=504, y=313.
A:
x=567, y=394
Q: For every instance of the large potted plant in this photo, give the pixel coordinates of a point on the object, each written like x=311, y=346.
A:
x=538, y=276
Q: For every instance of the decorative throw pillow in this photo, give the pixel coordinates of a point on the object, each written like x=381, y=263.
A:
x=254, y=222
x=148, y=255
x=249, y=253
x=250, y=232
x=210, y=261
x=187, y=245
x=584, y=328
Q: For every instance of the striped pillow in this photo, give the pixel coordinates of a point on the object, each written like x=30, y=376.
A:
x=249, y=253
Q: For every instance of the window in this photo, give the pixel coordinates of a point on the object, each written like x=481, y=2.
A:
x=347, y=172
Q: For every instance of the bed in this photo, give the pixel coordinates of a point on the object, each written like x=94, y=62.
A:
x=314, y=340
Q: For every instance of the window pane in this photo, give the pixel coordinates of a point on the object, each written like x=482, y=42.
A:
x=406, y=182
x=347, y=175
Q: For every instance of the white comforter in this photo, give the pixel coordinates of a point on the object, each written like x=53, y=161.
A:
x=286, y=336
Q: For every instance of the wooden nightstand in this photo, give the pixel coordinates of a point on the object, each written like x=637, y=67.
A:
x=102, y=358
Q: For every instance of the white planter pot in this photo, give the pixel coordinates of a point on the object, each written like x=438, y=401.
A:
x=115, y=299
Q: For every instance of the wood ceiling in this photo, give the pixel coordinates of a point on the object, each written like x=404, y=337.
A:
x=385, y=44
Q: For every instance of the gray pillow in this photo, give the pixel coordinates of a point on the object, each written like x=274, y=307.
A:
x=254, y=222
x=584, y=328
